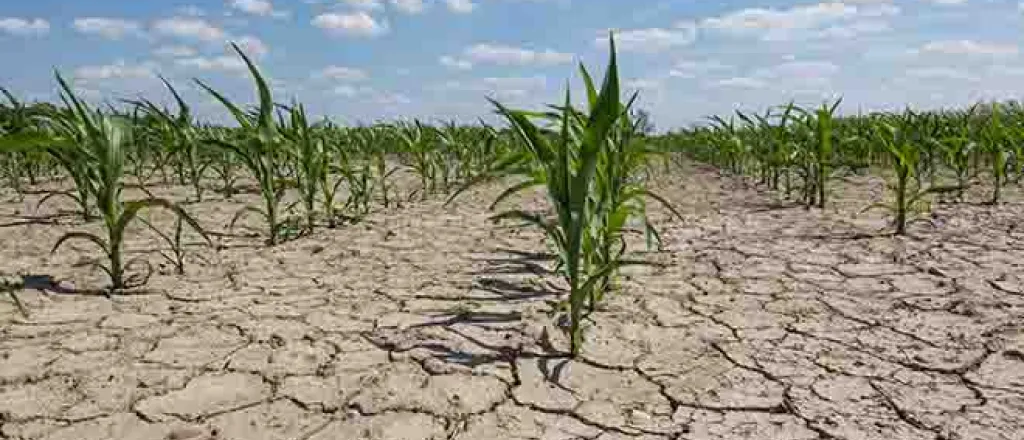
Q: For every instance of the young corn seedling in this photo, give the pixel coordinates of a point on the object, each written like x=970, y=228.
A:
x=180, y=133
x=258, y=146
x=176, y=255
x=896, y=135
x=10, y=286
x=101, y=146
x=310, y=159
x=416, y=144
x=820, y=123
x=571, y=162
x=993, y=140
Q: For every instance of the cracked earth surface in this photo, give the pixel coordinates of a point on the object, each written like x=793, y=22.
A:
x=428, y=322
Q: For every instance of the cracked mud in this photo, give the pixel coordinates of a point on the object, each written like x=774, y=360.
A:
x=428, y=322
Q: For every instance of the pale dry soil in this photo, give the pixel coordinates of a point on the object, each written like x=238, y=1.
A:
x=758, y=321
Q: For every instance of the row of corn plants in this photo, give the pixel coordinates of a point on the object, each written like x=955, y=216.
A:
x=797, y=151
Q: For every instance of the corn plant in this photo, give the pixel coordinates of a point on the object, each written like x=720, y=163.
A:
x=100, y=143
x=415, y=141
x=176, y=255
x=258, y=146
x=896, y=134
x=957, y=147
x=820, y=124
x=307, y=152
x=586, y=168
x=180, y=134
x=10, y=286
x=993, y=143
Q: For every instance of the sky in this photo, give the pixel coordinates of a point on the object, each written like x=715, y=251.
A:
x=359, y=61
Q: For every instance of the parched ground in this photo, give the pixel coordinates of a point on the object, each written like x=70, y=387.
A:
x=760, y=321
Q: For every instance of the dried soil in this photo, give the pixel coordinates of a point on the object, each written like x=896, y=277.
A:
x=759, y=320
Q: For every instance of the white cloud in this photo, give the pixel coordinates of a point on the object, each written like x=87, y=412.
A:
x=642, y=84
x=694, y=69
x=799, y=17
x=368, y=94
x=460, y=6
x=523, y=82
x=189, y=28
x=358, y=24
x=969, y=47
x=389, y=98
x=24, y=27
x=341, y=73
x=799, y=70
x=175, y=51
x=509, y=88
x=455, y=63
x=512, y=87
x=508, y=55
x=741, y=82
x=409, y=6
x=948, y=2
x=346, y=91
x=941, y=73
x=111, y=28
x=828, y=18
x=223, y=63
x=263, y=8
x=368, y=5
x=118, y=70
x=855, y=29
x=651, y=39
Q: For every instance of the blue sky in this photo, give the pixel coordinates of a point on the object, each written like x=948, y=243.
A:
x=361, y=60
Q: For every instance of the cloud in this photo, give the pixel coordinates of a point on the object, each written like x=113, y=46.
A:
x=24, y=27
x=514, y=56
x=370, y=95
x=110, y=28
x=511, y=87
x=460, y=6
x=799, y=70
x=642, y=84
x=366, y=5
x=694, y=69
x=359, y=24
x=855, y=29
x=652, y=40
x=773, y=24
x=175, y=51
x=222, y=63
x=790, y=76
x=118, y=70
x=455, y=63
x=341, y=73
x=409, y=6
x=189, y=28
x=262, y=8
x=742, y=82
x=969, y=47
x=941, y=73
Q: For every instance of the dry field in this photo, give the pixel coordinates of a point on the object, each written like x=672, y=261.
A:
x=759, y=321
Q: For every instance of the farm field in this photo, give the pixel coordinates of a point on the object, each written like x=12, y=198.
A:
x=569, y=274
x=429, y=322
